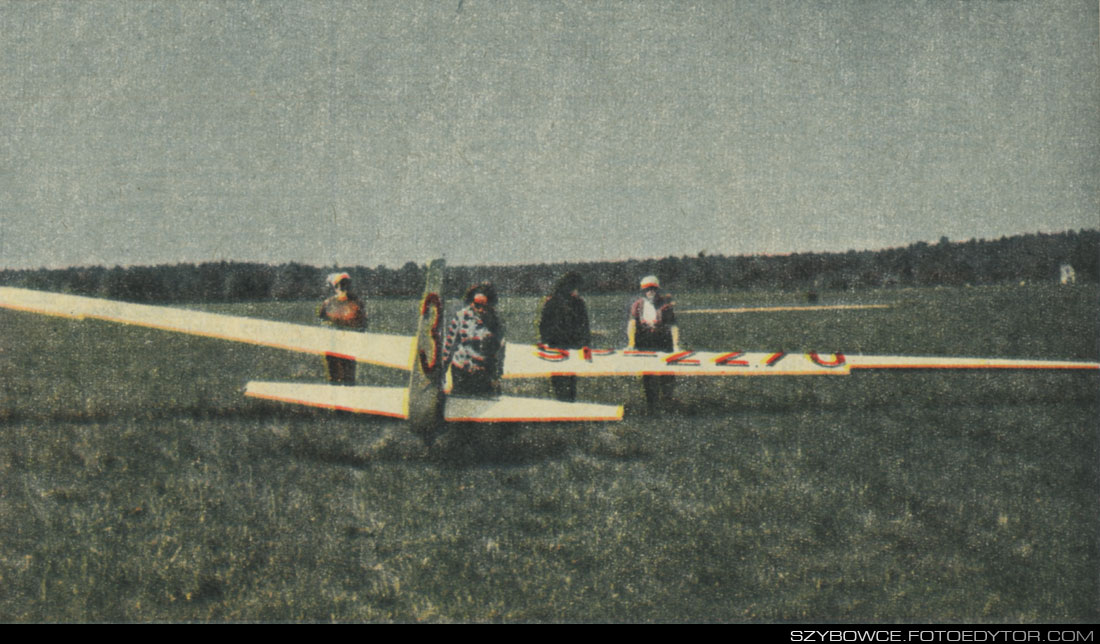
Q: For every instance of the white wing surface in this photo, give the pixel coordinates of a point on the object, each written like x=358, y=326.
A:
x=917, y=362
x=524, y=361
x=787, y=309
x=376, y=348
x=393, y=402
x=380, y=401
x=512, y=409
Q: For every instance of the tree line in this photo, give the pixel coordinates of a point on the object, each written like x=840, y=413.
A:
x=1008, y=260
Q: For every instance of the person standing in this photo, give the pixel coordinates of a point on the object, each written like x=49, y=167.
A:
x=563, y=324
x=344, y=310
x=652, y=327
x=474, y=346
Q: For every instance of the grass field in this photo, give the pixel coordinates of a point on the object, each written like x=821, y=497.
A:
x=136, y=483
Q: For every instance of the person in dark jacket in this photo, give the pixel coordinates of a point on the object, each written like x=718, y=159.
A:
x=563, y=324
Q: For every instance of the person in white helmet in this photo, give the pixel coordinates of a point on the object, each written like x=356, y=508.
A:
x=345, y=311
x=652, y=327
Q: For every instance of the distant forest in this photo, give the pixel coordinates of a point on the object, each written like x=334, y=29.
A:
x=1008, y=260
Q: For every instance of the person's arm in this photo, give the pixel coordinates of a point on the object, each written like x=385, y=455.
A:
x=498, y=370
x=631, y=328
x=668, y=315
x=448, y=342
x=544, y=321
x=586, y=329
x=360, y=323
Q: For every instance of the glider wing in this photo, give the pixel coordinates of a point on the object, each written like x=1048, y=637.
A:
x=393, y=402
x=917, y=362
x=512, y=409
x=376, y=348
x=537, y=361
x=380, y=401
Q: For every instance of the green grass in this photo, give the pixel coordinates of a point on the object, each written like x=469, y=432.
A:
x=137, y=484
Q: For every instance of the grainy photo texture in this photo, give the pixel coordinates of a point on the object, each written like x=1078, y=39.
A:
x=517, y=311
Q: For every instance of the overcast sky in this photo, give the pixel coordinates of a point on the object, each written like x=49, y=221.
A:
x=502, y=132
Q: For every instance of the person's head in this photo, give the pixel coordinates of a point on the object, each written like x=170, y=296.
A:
x=340, y=282
x=481, y=296
x=569, y=284
x=650, y=286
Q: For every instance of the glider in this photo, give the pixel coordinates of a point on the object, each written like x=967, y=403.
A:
x=425, y=404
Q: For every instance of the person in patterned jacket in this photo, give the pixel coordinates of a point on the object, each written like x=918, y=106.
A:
x=474, y=346
x=345, y=311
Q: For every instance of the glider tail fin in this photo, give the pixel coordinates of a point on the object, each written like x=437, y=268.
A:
x=426, y=399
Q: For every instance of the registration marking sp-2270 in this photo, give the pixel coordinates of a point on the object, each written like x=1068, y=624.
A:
x=535, y=361
x=608, y=362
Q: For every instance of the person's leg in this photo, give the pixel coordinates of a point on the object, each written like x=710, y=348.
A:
x=348, y=375
x=564, y=387
x=652, y=391
x=668, y=388
x=332, y=369
x=477, y=383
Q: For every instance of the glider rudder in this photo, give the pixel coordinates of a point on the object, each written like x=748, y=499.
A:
x=425, y=399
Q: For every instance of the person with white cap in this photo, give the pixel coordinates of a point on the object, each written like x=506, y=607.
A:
x=652, y=327
x=343, y=310
x=474, y=347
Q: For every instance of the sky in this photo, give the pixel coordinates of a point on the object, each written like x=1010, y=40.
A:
x=377, y=133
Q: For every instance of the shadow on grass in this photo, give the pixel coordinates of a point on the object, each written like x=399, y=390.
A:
x=473, y=445
x=464, y=445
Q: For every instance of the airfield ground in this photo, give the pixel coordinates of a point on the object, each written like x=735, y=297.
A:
x=136, y=483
